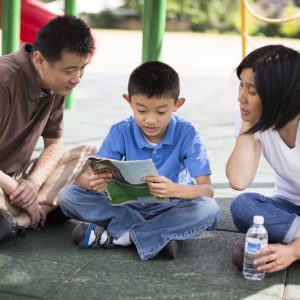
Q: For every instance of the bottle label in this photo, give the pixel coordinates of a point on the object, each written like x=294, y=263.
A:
x=252, y=246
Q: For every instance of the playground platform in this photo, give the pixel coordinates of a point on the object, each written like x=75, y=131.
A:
x=46, y=265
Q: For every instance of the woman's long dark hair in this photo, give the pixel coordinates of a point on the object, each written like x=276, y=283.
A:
x=276, y=70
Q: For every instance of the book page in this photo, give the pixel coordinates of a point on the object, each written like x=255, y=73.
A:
x=134, y=171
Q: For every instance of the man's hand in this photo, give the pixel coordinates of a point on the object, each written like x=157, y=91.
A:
x=25, y=194
x=35, y=215
x=98, y=181
x=276, y=257
x=161, y=186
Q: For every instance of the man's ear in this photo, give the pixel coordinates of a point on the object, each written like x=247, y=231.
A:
x=179, y=103
x=38, y=60
x=126, y=97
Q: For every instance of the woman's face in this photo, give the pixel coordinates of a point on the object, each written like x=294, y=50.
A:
x=250, y=104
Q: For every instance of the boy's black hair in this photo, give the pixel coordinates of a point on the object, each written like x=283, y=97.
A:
x=64, y=33
x=154, y=79
x=276, y=71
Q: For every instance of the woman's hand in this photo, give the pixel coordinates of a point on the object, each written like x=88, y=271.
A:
x=277, y=257
x=98, y=181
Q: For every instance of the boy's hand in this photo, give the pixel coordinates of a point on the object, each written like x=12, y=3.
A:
x=161, y=186
x=98, y=181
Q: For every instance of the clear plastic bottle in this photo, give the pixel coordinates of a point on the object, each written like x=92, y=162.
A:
x=256, y=238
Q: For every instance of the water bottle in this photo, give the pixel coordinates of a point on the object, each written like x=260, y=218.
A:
x=256, y=238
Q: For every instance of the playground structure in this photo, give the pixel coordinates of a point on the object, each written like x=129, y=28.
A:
x=245, y=9
x=33, y=16
x=21, y=20
x=30, y=15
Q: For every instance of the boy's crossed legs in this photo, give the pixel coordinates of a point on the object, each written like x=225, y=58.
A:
x=150, y=227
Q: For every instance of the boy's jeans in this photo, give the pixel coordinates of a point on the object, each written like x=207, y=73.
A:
x=282, y=219
x=151, y=226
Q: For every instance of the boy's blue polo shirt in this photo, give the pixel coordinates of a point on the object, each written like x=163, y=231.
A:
x=180, y=156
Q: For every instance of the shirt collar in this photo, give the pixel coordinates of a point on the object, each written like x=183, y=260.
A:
x=23, y=58
x=167, y=139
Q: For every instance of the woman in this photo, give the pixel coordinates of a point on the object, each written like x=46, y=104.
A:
x=269, y=99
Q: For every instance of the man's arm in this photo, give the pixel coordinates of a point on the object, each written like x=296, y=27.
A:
x=7, y=184
x=48, y=161
x=27, y=190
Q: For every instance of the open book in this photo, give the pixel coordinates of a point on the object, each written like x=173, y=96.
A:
x=127, y=184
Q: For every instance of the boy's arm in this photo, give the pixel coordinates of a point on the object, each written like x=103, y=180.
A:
x=188, y=191
x=163, y=187
x=95, y=182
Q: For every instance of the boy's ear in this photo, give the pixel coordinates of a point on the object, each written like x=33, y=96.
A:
x=126, y=97
x=179, y=103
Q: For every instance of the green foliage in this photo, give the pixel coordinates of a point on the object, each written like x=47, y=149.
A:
x=104, y=19
x=217, y=15
x=275, y=10
x=290, y=28
x=134, y=4
x=204, y=14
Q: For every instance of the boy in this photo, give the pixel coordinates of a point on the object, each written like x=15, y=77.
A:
x=177, y=149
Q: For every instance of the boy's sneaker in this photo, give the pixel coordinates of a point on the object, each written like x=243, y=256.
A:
x=9, y=228
x=57, y=215
x=170, y=250
x=237, y=254
x=88, y=235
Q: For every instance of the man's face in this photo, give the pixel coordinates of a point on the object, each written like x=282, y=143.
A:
x=62, y=76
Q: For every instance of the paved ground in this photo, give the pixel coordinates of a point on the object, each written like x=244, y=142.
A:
x=45, y=265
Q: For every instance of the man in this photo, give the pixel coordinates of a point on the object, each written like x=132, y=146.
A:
x=33, y=83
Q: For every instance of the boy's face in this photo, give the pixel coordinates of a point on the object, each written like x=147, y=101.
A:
x=153, y=114
x=62, y=76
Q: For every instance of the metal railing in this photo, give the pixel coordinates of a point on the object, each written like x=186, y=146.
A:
x=245, y=9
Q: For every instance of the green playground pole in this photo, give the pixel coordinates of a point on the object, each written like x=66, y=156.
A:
x=154, y=20
x=70, y=9
x=11, y=16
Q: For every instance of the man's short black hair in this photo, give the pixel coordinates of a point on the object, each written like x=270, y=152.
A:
x=64, y=33
x=276, y=70
x=154, y=79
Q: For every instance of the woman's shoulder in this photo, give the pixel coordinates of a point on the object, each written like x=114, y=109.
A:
x=266, y=134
